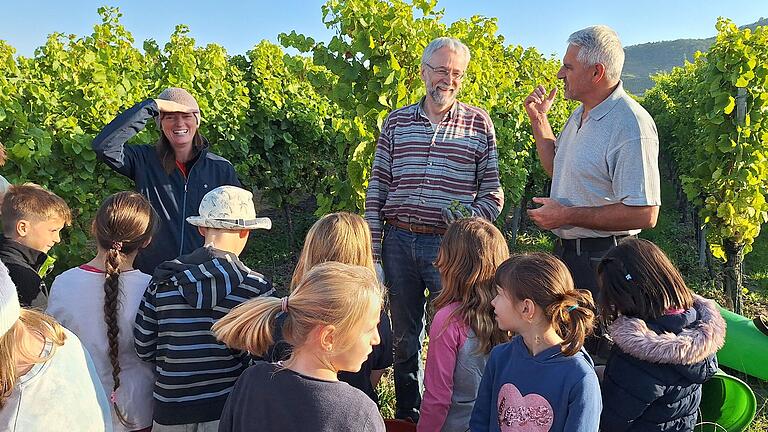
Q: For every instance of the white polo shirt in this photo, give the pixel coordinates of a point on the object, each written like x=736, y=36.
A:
x=610, y=158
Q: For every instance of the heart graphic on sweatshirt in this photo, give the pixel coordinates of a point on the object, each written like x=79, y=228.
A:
x=518, y=413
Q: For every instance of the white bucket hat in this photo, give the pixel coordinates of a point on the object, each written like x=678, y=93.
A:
x=229, y=207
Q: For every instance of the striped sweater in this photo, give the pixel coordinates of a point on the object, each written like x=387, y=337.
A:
x=419, y=169
x=173, y=329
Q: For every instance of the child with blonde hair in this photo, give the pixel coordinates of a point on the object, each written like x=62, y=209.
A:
x=98, y=302
x=542, y=379
x=342, y=237
x=47, y=379
x=331, y=322
x=463, y=330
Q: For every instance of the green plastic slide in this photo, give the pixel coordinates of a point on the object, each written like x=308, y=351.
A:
x=727, y=405
x=746, y=347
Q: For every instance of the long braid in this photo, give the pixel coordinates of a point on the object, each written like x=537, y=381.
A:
x=111, y=292
x=123, y=225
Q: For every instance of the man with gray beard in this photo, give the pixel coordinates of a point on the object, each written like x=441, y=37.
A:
x=435, y=161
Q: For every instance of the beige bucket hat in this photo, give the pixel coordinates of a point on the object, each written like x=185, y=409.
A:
x=229, y=207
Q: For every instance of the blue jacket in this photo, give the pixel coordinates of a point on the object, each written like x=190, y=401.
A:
x=652, y=381
x=186, y=296
x=174, y=197
x=548, y=391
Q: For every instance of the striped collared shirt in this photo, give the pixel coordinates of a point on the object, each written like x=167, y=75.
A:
x=419, y=169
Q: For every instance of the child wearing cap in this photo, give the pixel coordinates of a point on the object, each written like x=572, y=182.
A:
x=173, y=174
x=47, y=377
x=32, y=221
x=184, y=299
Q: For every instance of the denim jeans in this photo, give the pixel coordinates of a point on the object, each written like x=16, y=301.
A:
x=408, y=261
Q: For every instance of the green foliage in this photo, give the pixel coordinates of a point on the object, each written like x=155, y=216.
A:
x=292, y=125
x=291, y=149
x=53, y=105
x=722, y=163
x=721, y=155
x=375, y=58
x=60, y=100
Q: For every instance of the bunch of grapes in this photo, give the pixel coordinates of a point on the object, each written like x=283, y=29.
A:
x=457, y=207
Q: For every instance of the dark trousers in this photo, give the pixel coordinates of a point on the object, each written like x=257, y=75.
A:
x=582, y=260
x=583, y=265
x=408, y=261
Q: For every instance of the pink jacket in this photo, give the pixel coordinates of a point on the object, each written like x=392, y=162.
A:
x=452, y=374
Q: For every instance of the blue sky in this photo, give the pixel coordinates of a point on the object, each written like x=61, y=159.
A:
x=239, y=25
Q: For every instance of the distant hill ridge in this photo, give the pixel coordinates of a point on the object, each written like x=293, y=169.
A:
x=643, y=60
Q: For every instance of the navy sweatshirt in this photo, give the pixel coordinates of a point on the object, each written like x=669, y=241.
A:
x=173, y=329
x=548, y=392
x=268, y=398
x=173, y=196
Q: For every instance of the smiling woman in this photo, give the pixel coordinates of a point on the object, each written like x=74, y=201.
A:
x=173, y=174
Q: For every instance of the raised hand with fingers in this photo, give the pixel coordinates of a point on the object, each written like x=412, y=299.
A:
x=539, y=102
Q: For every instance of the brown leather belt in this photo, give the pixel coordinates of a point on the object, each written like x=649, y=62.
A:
x=416, y=228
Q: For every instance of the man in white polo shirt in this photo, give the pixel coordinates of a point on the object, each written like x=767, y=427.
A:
x=604, y=163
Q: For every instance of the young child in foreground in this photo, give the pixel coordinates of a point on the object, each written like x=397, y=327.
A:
x=47, y=378
x=332, y=319
x=665, y=340
x=541, y=380
x=98, y=302
x=464, y=330
x=342, y=237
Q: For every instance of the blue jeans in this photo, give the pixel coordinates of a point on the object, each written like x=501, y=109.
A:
x=408, y=261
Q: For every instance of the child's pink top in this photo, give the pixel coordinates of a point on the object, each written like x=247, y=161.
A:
x=446, y=338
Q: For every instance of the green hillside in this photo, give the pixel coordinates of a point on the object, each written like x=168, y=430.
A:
x=646, y=59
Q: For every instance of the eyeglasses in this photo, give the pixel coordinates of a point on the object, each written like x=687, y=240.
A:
x=444, y=72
